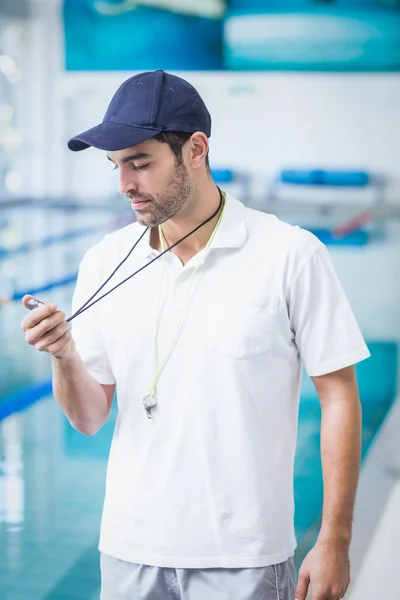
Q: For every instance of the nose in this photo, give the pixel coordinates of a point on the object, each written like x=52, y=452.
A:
x=127, y=182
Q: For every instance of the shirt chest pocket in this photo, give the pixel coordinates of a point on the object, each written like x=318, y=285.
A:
x=240, y=329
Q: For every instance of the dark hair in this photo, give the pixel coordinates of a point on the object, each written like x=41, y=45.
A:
x=176, y=140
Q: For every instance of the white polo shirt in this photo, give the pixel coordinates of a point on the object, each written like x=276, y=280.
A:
x=208, y=482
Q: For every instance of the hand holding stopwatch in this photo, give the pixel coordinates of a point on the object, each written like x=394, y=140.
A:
x=47, y=329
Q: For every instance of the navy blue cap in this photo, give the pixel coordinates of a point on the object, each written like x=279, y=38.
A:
x=143, y=106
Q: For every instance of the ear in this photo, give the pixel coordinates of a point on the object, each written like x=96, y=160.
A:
x=198, y=148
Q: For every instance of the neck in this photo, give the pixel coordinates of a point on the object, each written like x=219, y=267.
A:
x=201, y=208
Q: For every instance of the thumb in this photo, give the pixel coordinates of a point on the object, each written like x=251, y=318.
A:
x=28, y=299
x=302, y=586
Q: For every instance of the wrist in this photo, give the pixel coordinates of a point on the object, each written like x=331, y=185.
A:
x=68, y=354
x=336, y=536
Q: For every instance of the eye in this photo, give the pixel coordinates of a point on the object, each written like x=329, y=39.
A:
x=115, y=167
x=141, y=167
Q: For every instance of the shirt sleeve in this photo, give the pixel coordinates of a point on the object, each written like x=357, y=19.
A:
x=326, y=332
x=86, y=327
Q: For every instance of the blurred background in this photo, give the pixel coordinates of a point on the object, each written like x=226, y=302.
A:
x=305, y=100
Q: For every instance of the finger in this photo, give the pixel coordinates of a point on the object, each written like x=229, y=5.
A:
x=49, y=323
x=52, y=336
x=37, y=315
x=325, y=594
x=343, y=594
x=27, y=300
x=39, y=331
x=302, y=586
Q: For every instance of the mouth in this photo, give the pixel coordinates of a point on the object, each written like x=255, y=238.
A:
x=138, y=204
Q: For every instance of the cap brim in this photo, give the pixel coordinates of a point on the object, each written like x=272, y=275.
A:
x=111, y=136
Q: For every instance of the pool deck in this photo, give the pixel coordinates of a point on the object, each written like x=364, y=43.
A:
x=376, y=536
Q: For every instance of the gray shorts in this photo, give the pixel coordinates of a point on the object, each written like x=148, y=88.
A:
x=127, y=581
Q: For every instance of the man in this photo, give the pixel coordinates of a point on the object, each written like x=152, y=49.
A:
x=205, y=347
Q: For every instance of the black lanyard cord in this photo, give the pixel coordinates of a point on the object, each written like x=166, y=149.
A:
x=82, y=308
x=87, y=304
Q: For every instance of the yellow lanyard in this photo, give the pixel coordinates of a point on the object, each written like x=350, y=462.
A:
x=149, y=401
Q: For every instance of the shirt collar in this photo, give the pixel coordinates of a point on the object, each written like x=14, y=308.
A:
x=231, y=232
